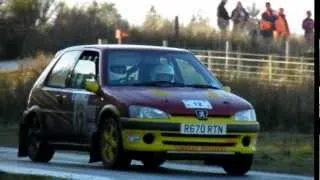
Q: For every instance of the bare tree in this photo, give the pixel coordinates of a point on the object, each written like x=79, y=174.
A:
x=252, y=26
x=253, y=11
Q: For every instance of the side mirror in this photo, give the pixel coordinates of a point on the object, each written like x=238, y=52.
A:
x=227, y=88
x=91, y=86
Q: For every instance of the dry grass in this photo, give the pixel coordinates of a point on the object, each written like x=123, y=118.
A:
x=15, y=87
x=286, y=153
x=282, y=108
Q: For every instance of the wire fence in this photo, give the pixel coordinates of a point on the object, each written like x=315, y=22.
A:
x=273, y=69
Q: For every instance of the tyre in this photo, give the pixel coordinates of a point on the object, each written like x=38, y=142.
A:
x=153, y=163
x=38, y=149
x=111, y=149
x=239, y=165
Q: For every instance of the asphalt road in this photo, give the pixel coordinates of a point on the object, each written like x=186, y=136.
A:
x=76, y=166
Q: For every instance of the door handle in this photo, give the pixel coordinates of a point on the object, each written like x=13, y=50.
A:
x=60, y=98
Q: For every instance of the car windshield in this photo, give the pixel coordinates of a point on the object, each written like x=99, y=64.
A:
x=157, y=68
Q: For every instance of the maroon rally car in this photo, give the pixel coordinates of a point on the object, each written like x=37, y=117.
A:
x=124, y=102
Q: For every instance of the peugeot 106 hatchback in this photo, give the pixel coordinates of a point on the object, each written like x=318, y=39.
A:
x=125, y=102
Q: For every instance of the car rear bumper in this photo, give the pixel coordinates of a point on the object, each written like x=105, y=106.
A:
x=165, y=136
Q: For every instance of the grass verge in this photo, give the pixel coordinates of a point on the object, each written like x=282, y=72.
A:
x=276, y=152
x=285, y=153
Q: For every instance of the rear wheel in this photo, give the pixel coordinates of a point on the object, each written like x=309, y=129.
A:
x=112, y=153
x=239, y=165
x=37, y=145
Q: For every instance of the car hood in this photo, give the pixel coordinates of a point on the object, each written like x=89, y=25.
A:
x=171, y=99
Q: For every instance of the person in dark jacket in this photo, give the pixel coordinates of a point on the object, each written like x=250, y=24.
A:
x=239, y=16
x=267, y=24
x=223, y=17
x=308, y=27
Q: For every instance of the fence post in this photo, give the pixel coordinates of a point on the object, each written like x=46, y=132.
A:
x=238, y=65
x=165, y=43
x=227, y=57
x=287, y=53
x=301, y=69
x=209, y=61
x=102, y=41
x=120, y=41
x=270, y=68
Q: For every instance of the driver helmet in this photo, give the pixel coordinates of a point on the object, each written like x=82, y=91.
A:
x=163, y=72
x=114, y=76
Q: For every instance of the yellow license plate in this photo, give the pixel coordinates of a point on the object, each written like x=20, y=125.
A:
x=203, y=129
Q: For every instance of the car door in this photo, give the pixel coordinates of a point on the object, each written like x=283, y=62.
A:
x=84, y=103
x=54, y=102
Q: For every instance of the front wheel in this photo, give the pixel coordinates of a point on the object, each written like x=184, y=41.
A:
x=239, y=165
x=37, y=147
x=112, y=153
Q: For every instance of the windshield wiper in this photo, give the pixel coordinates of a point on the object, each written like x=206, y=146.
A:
x=158, y=83
x=206, y=86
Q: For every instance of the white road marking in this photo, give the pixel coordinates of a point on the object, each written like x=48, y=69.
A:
x=44, y=172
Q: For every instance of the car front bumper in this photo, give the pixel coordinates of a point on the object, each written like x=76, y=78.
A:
x=164, y=135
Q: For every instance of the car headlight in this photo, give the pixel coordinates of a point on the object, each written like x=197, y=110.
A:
x=146, y=112
x=247, y=115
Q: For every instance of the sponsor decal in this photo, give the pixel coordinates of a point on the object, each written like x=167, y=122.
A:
x=201, y=148
x=159, y=93
x=134, y=138
x=212, y=95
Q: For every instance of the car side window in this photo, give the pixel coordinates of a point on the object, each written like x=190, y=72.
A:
x=61, y=70
x=85, y=69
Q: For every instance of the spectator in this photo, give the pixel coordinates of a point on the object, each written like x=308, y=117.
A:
x=223, y=17
x=308, y=27
x=239, y=16
x=281, y=26
x=267, y=23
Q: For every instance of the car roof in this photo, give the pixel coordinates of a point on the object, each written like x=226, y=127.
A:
x=121, y=46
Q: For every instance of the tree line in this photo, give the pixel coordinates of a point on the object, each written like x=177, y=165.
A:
x=29, y=26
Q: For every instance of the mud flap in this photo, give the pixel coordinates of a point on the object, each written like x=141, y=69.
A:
x=95, y=154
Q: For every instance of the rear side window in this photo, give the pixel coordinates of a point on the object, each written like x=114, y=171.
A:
x=85, y=69
x=60, y=72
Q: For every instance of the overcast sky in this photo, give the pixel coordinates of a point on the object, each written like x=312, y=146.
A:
x=135, y=11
